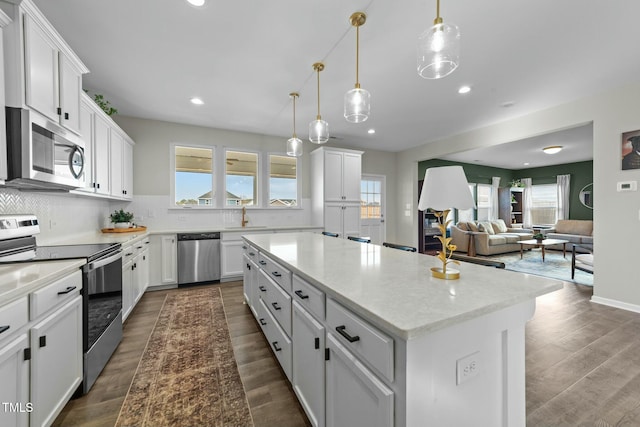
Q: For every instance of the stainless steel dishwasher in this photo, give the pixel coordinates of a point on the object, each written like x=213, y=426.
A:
x=198, y=257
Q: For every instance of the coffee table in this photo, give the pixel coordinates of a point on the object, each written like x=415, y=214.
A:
x=542, y=244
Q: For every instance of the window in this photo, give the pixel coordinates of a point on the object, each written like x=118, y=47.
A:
x=468, y=214
x=193, y=176
x=370, y=199
x=241, y=178
x=283, y=181
x=483, y=201
x=544, y=204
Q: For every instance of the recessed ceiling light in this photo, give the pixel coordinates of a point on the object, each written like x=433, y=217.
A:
x=464, y=89
x=197, y=2
x=526, y=163
x=553, y=149
x=371, y=131
x=197, y=101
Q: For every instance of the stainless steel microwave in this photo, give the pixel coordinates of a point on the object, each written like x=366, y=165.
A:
x=42, y=155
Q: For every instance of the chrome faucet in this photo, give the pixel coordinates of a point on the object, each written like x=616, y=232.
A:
x=244, y=213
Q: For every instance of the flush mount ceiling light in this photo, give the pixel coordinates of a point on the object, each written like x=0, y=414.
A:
x=438, y=49
x=197, y=101
x=196, y=2
x=371, y=131
x=294, y=144
x=464, y=89
x=318, y=128
x=357, y=101
x=553, y=149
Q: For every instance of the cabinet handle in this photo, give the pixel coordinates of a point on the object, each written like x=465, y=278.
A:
x=275, y=273
x=252, y=254
x=4, y=328
x=262, y=288
x=66, y=291
x=248, y=266
x=301, y=295
x=98, y=184
x=276, y=306
x=316, y=344
x=275, y=346
x=43, y=341
x=66, y=116
x=59, y=111
x=262, y=262
x=348, y=337
x=263, y=322
x=128, y=254
x=139, y=247
x=244, y=247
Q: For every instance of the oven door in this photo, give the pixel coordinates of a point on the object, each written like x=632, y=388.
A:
x=103, y=296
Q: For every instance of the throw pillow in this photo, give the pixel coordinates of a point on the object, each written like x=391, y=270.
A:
x=499, y=226
x=462, y=226
x=472, y=226
x=486, y=227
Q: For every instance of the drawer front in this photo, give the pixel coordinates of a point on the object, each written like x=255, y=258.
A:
x=141, y=245
x=368, y=342
x=279, y=342
x=278, y=273
x=251, y=252
x=262, y=317
x=128, y=252
x=56, y=293
x=308, y=296
x=13, y=316
x=277, y=301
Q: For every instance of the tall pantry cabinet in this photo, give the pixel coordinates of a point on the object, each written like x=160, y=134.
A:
x=335, y=190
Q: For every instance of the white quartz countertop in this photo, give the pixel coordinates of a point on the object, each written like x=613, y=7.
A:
x=394, y=289
x=19, y=279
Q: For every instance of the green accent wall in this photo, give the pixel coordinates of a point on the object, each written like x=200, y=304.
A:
x=581, y=175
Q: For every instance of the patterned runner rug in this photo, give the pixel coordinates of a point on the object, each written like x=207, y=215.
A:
x=187, y=375
x=554, y=265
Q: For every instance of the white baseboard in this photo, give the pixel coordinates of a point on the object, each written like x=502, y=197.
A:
x=617, y=304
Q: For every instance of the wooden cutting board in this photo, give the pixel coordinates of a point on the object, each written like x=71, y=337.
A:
x=124, y=230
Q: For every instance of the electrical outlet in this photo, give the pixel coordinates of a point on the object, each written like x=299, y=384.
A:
x=467, y=367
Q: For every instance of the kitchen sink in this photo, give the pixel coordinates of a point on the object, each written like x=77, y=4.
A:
x=246, y=227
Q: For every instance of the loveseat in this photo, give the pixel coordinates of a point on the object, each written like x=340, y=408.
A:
x=575, y=231
x=489, y=237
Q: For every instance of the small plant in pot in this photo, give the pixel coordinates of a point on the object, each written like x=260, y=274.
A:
x=539, y=237
x=121, y=219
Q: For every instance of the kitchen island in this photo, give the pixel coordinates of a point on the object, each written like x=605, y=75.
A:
x=368, y=337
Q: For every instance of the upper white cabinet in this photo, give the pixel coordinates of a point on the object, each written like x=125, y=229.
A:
x=121, y=170
x=43, y=72
x=4, y=21
x=335, y=198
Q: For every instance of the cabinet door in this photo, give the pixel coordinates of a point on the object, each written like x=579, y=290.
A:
x=333, y=219
x=41, y=70
x=169, y=247
x=354, y=396
x=333, y=177
x=70, y=88
x=127, y=288
x=56, y=364
x=101, y=156
x=127, y=170
x=247, y=279
x=231, y=258
x=308, y=364
x=14, y=371
x=351, y=220
x=142, y=269
x=351, y=177
x=116, y=147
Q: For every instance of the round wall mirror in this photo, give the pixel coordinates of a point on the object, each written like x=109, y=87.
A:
x=586, y=195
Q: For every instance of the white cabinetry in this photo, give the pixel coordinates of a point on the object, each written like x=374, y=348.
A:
x=14, y=371
x=135, y=273
x=335, y=198
x=163, y=263
x=141, y=270
x=231, y=258
x=43, y=72
x=121, y=170
x=101, y=159
x=127, y=281
x=4, y=21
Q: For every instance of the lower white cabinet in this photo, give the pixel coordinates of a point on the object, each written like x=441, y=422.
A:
x=354, y=395
x=308, y=364
x=231, y=258
x=163, y=262
x=250, y=283
x=342, y=218
x=56, y=361
x=14, y=371
x=127, y=281
x=140, y=268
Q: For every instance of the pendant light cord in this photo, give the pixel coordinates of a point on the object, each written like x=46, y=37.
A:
x=357, y=54
x=318, y=73
x=294, y=116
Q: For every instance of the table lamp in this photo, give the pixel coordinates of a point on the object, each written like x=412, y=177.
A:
x=445, y=188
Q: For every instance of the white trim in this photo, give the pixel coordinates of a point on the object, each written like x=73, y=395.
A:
x=617, y=304
x=257, y=202
x=172, y=176
x=383, y=200
x=267, y=191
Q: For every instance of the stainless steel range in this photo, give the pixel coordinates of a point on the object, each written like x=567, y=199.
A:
x=101, y=282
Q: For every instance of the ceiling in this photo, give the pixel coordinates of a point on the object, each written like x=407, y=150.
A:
x=149, y=57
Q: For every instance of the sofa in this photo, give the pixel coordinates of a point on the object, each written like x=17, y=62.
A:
x=489, y=237
x=575, y=231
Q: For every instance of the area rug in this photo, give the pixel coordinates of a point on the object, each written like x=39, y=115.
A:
x=187, y=375
x=554, y=265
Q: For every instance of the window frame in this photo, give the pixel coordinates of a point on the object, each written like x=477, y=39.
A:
x=555, y=185
x=267, y=177
x=172, y=178
x=258, y=202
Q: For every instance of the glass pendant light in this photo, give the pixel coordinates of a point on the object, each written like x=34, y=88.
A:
x=438, y=49
x=318, y=128
x=294, y=144
x=357, y=105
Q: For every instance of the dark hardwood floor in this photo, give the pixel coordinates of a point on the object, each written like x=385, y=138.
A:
x=583, y=365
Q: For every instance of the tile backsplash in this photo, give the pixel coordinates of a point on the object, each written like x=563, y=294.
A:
x=60, y=215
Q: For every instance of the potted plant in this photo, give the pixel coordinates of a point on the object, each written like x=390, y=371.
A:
x=539, y=237
x=121, y=219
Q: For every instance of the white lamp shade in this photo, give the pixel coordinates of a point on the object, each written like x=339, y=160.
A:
x=438, y=51
x=445, y=188
x=318, y=131
x=357, y=105
x=294, y=147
